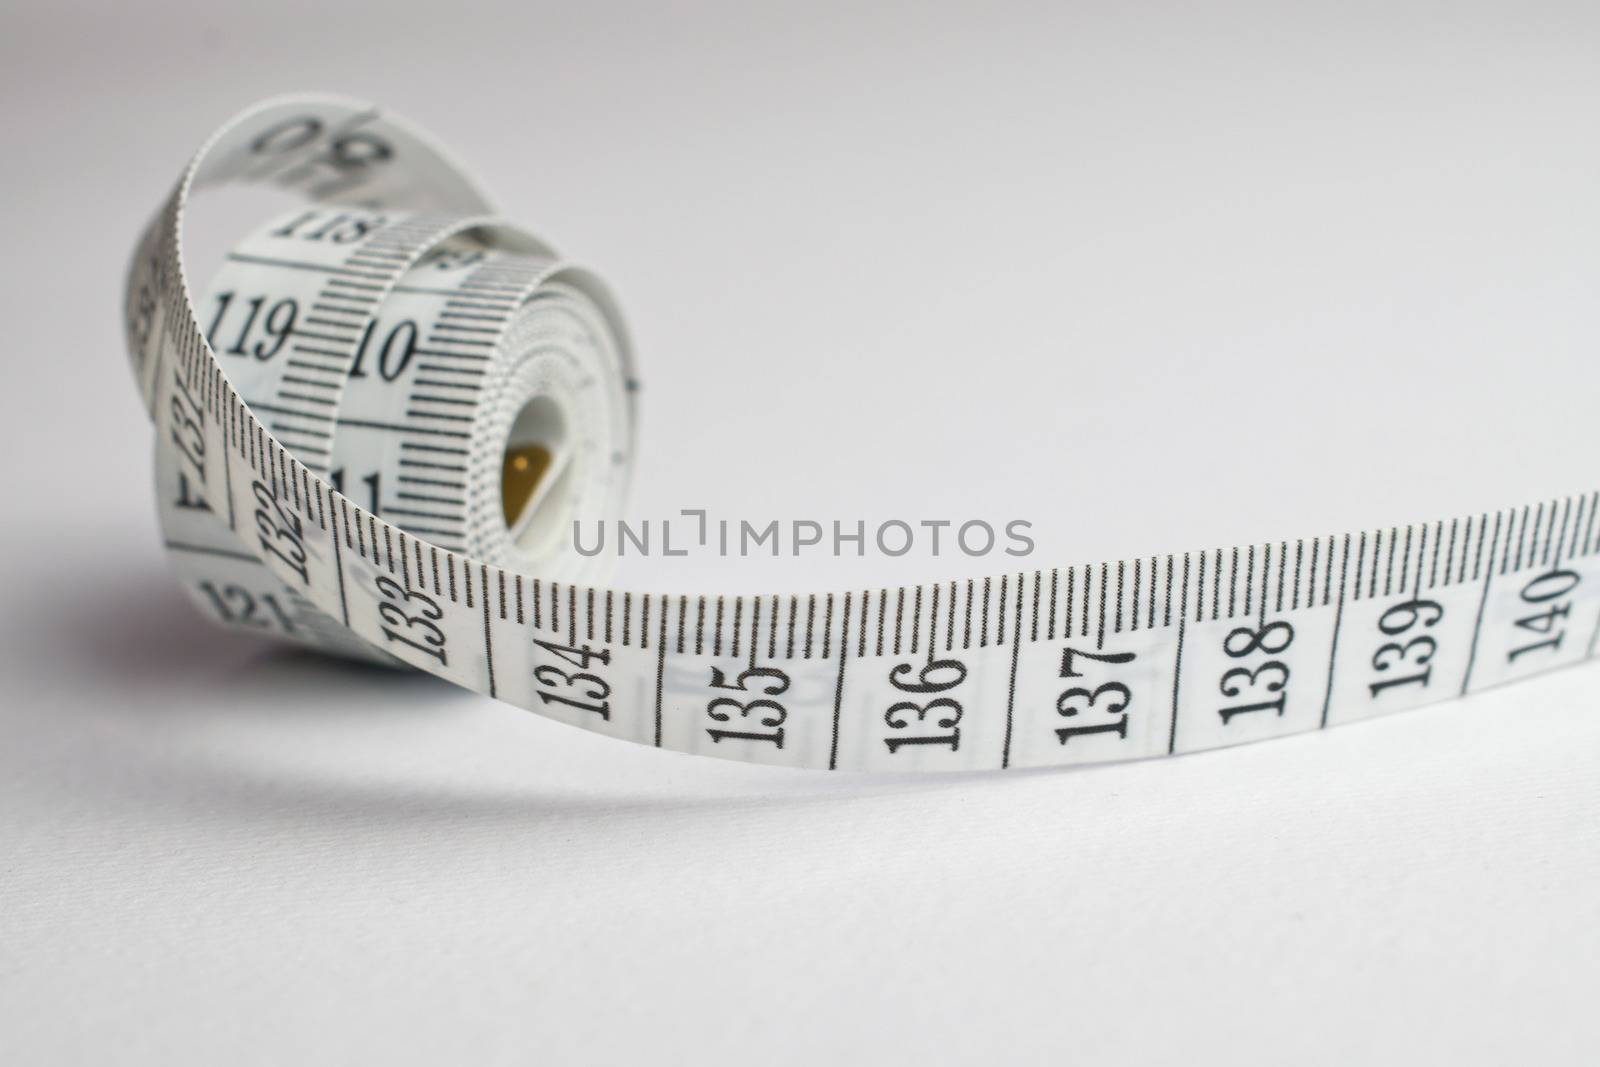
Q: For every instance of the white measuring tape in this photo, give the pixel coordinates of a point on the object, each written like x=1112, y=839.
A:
x=376, y=427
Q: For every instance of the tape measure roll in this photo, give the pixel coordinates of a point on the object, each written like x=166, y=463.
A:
x=450, y=373
x=377, y=424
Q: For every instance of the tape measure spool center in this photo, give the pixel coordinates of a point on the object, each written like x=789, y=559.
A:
x=534, y=472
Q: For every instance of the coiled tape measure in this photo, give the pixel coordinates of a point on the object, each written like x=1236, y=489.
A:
x=375, y=427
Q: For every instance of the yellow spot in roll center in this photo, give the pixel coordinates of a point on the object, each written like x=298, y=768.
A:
x=525, y=466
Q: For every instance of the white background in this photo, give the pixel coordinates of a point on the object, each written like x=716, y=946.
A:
x=1150, y=276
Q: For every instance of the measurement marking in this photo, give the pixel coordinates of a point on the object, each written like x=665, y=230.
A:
x=1483, y=605
x=1266, y=570
x=267, y=261
x=286, y=431
x=434, y=384
x=1283, y=561
x=365, y=423
x=1011, y=687
x=1100, y=613
x=1249, y=579
x=838, y=685
x=1177, y=670
x=417, y=446
x=488, y=639
x=435, y=368
x=284, y=394
x=458, y=328
x=1560, y=540
x=1338, y=621
x=661, y=662
x=1050, y=627
x=207, y=550
x=1450, y=552
x=413, y=513
x=1216, y=586
x=338, y=358
x=452, y=501
x=1133, y=620
x=1167, y=607
x=467, y=342
x=1038, y=582
x=332, y=339
x=424, y=290
x=227, y=488
x=449, y=538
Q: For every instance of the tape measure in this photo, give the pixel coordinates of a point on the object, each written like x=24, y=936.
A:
x=376, y=426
